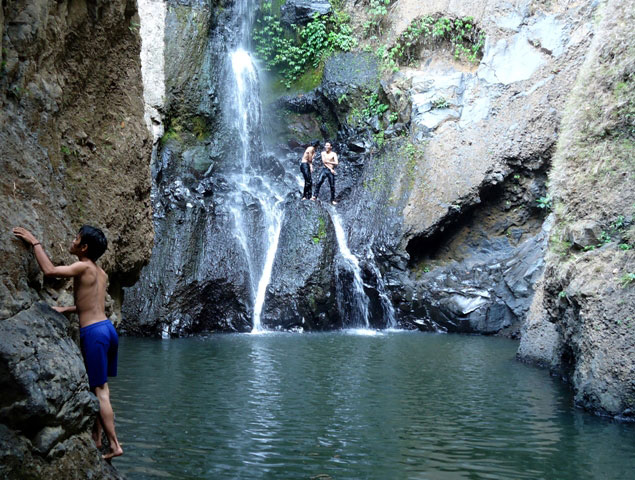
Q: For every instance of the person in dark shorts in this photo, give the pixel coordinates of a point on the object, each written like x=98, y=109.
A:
x=329, y=161
x=98, y=338
x=306, y=168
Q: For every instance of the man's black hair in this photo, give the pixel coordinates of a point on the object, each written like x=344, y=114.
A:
x=316, y=144
x=95, y=239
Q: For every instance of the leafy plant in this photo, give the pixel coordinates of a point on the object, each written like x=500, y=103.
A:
x=379, y=139
x=466, y=39
x=374, y=106
x=627, y=279
x=393, y=117
x=605, y=237
x=376, y=14
x=544, y=202
x=440, y=103
x=290, y=53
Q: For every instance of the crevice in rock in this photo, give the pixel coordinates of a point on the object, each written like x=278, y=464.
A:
x=507, y=212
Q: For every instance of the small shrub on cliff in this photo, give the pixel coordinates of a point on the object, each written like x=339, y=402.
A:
x=290, y=53
x=440, y=103
x=544, y=202
x=627, y=279
x=466, y=39
x=377, y=11
x=374, y=106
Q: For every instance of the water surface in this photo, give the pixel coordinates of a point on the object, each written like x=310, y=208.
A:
x=346, y=406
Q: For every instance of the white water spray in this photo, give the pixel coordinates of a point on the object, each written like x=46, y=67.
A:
x=361, y=299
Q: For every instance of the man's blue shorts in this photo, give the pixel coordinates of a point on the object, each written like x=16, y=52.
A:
x=99, y=343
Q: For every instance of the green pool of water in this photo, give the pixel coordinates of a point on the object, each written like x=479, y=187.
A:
x=349, y=406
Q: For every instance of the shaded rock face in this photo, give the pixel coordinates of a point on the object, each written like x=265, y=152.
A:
x=74, y=150
x=46, y=409
x=301, y=12
x=581, y=322
x=174, y=287
x=73, y=145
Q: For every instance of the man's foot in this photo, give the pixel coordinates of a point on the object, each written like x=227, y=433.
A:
x=334, y=202
x=303, y=198
x=115, y=452
x=313, y=199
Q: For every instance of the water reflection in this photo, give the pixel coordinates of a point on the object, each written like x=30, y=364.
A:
x=390, y=406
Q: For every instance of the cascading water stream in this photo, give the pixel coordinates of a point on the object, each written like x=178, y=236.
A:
x=359, y=295
x=249, y=182
x=386, y=304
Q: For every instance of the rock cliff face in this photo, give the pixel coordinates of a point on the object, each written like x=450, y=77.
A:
x=582, y=320
x=73, y=149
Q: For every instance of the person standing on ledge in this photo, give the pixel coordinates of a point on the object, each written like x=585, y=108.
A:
x=329, y=161
x=306, y=168
x=98, y=338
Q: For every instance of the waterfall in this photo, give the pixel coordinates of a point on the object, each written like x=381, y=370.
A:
x=256, y=204
x=359, y=295
x=386, y=304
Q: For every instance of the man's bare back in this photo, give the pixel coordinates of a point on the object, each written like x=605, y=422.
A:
x=90, y=294
x=89, y=280
x=309, y=153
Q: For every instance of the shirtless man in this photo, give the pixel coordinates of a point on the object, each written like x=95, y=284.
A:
x=329, y=161
x=306, y=168
x=98, y=337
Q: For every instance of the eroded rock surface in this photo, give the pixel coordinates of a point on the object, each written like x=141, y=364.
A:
x=74, y=150
x=582, y=323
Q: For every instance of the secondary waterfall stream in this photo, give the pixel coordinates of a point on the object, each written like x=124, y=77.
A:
x=360, y=299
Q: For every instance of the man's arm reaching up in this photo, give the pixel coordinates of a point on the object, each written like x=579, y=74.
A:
x=43, y=260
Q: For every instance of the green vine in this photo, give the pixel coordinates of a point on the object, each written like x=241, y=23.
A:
x=291, y=55
x=466, y=38
x=374, y=106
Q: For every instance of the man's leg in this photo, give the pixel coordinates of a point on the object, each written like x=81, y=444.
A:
x=306, y=173
x=331, y=178
x=319, y=184
x=107, y=417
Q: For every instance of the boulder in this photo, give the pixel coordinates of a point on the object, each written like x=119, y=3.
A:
x=46, y=409
x=584, y=233
x=301, y=12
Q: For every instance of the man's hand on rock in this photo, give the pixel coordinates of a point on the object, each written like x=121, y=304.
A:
x=25, y=235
